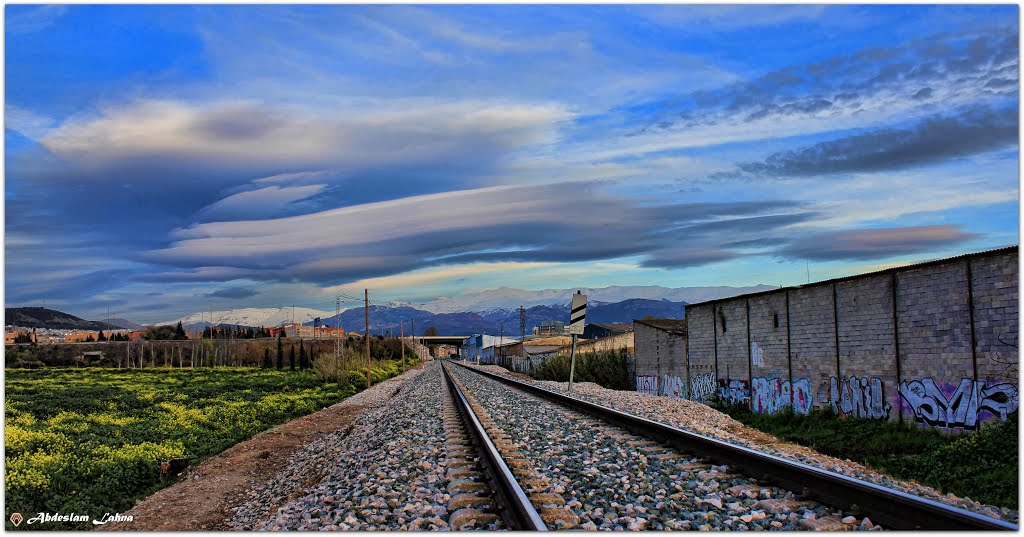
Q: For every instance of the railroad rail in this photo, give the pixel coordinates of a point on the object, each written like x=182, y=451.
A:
x=513, y=503
x=892, y=508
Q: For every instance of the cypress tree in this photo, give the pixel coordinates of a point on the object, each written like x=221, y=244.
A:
x=280, y=353
x=266, y=358
x=303, y=363
x=291, y=358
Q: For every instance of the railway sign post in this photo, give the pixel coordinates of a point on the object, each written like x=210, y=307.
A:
x=577, y=318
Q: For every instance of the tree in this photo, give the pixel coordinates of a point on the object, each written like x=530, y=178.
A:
x=280, y=353
x=303, y=362
x=430, y=331
x=266, y=358
x=291, y=358
x=179, y=332
x=101, y=336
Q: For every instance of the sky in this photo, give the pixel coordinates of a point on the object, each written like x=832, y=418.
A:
x=161, y=160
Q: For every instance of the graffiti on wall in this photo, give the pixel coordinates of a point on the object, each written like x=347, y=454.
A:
x=756, y=354
x=702, y=387
x=964, y=407
x=673, y=386
x=858, y=397
x=768, y=396
x=647, y=384
x=736, y=392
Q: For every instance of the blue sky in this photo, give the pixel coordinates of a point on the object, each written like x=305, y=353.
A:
x=163, y=158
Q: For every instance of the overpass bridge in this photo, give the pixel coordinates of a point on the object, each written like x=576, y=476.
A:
x=438, y=340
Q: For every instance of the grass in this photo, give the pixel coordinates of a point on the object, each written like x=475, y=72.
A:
x=981, y=465
x=90, y=441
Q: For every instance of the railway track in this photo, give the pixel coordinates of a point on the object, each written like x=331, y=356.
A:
x=659, y=447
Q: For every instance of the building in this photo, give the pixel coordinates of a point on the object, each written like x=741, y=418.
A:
x=297, y=330
x=328, y=332
x=550, y=328
x=603, y=330
x=537, y=350
x=661, y=364
x=473, y=346
x=933, y=343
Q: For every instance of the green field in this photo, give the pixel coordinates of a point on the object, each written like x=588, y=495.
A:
x=91, y=440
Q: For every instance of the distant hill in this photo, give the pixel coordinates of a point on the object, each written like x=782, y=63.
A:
x=500, y=320
x=126, y=324
x=35, y=317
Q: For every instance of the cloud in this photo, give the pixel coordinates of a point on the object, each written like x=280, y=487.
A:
x=543, y=223
x=936, y=139
x=864, y=244
x=860, y=88
x=232, y=292
x=28, y=19
x=255, y=133
x=261, y=203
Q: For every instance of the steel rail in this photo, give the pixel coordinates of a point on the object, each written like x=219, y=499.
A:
x=513, y=503
x=891, y=508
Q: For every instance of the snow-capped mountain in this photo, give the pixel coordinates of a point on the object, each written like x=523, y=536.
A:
x=253, y=316
x=505, y=298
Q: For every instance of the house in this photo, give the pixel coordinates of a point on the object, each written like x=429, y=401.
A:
x=603, y=330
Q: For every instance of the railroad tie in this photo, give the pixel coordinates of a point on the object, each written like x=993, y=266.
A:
x=470, y=504
x=551, y=506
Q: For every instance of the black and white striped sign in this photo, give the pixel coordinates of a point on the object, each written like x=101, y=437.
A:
x=577, y=314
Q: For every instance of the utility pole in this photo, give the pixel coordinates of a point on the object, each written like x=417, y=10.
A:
x=401, y=338
x=366, y=336
x=337, y=339
x=501, y=342
x=522, y=336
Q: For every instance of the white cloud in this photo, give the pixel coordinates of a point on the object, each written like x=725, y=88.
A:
x=259, y=133
x=255, y=204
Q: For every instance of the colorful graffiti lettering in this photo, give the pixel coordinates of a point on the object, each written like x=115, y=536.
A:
x=673, y=386
x=964, y=407
x=768, y=396
x=756, y=354
x=647, y=384
x=802, y=398
x=702, y=387
x=859, y=397
x=736, y=392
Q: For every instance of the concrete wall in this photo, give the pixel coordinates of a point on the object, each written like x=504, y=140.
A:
x=660, y=361
x=611, y=343
x=934, y=343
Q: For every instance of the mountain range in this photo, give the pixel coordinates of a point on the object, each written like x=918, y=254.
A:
x=35, y=317
x=500, y=320
x=493, y=311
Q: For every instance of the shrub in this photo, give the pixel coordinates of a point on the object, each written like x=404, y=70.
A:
x=607, y=368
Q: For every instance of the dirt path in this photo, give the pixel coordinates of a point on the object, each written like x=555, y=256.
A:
x=201, y=501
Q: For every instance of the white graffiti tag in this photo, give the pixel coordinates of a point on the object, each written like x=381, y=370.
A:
x=962, y=408
x=647, y=384
x=673, y=387
x=859, y=397
x=702, y=387
x=756, y=354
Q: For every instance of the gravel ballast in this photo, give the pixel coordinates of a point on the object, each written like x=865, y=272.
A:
x=386, y=473
x=613, y=480
x=702, y=419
